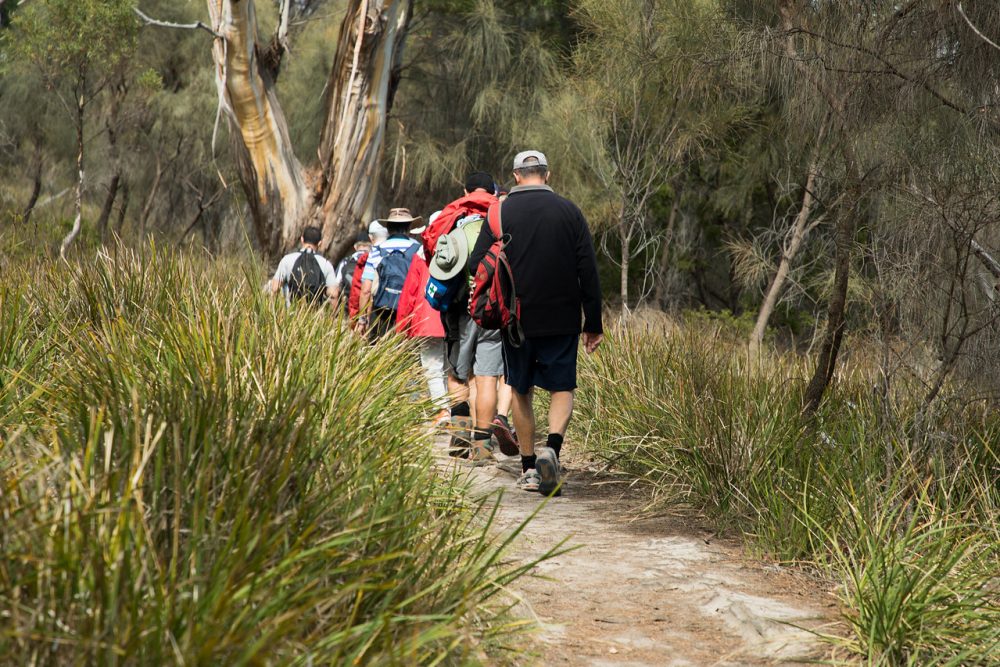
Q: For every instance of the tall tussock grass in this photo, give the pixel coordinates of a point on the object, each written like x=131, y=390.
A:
x=900, y=504
x=193, y=474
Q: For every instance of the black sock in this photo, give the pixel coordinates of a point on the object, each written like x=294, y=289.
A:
x=527, y=462
x=555, y=441
x=461, y=410
x=481, y=435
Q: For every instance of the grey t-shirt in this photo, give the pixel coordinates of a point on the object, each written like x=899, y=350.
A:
x=287, y=263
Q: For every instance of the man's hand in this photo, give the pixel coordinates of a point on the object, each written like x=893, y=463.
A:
x=591, y=341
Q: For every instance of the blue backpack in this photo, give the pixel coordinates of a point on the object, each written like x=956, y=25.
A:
x=392, y=272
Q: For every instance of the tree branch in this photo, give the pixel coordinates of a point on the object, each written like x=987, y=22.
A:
x=975, y=29
x=198, y=25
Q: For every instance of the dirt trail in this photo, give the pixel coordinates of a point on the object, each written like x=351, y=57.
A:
x=659, y=591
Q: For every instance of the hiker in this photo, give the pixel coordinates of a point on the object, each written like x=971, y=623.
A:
x=384, y=274
x=554, y=269
x=305, y=274
x=416, y=319
x=345, y=270
x=376, y=234
x=470, y=350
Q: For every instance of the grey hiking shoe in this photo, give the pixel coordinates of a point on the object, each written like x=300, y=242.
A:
x=547, y=464
x=529, y=480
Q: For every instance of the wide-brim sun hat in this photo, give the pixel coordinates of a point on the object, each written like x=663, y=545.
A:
x=450, y=256
x=399, y=216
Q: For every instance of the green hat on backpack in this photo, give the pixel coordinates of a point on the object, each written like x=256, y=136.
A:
x=451, y=256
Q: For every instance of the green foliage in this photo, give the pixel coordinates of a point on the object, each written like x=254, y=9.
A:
x=193, y=473
x=75, y=37
x=907, y=526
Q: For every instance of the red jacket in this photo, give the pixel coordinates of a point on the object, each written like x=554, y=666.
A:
x=415, y=318
x=354, y=303
x=477, y=202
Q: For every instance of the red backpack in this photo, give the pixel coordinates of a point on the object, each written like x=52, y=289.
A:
x=493, y=303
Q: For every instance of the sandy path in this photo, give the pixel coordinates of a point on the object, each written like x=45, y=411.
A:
x=660, y=591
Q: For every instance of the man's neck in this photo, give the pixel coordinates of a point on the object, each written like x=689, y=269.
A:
x=527, y=187
x=310, y=246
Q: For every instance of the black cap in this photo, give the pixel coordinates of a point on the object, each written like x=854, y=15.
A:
x=363, y=237
x=480, y=179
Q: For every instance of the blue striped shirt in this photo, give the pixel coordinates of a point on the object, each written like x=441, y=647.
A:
x=381, y=250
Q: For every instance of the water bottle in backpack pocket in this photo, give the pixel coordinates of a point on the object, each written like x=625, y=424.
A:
x=391, y=273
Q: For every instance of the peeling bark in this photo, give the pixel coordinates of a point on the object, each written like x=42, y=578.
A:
x=340, y=192
x=359, y=96
x=270, y=173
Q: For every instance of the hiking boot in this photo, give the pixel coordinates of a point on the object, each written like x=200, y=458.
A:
x=461, y=437
x=481, y=453
x=529, y=480
x=442, y=419
x=547, y=464
x=506, y=438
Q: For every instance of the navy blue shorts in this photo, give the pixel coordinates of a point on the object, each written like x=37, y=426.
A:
x=548, y=362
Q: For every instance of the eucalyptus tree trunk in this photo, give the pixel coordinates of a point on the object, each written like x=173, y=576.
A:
x=339, y=193
x=360, y=90
x=272, y=178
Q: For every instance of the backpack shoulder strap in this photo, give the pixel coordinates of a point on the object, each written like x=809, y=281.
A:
x=495, y=221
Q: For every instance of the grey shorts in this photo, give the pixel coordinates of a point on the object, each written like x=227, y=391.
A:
x=472, y=350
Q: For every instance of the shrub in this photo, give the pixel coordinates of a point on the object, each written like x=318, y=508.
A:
x=904, y=518
x=194, y=474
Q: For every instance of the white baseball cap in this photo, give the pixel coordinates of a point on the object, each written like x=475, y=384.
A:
x=526, y=159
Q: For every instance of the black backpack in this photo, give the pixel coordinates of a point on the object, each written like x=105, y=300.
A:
x=346, y=272
x=392, y=272
x=307, y=280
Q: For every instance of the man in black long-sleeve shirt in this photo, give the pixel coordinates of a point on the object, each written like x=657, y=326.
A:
x=554, y=266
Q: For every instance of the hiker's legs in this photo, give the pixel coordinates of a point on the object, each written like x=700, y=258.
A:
x=486, y=402
x=432, y=361
x=524, y=422
x=473, y=395
x=504, y=397
x=487, y=367
x=383, y=321
x=560, y=411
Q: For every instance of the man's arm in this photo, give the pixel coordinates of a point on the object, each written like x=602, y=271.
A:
x=365, y=309
x=367, y=286
x=280, y=276
x=590, y=287
x=483, y=243
x=331, y=275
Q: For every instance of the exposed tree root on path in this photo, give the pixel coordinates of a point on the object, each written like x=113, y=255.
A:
x=655, y=591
